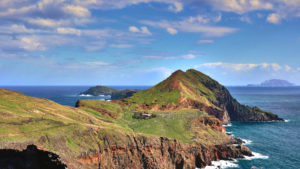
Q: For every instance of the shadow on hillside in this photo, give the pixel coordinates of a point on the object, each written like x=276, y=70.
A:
x=30, y=158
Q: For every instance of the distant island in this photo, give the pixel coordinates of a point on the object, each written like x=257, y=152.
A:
x=273, y=83
x=107, y=91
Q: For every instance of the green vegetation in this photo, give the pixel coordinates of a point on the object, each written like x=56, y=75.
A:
x=117, y=95
x=30, y=118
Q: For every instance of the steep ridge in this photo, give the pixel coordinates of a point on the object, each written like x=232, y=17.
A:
x=195, y=90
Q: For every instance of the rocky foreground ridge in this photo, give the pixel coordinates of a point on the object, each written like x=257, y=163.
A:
x=176, y=124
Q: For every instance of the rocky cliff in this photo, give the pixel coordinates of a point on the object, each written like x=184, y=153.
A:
x=139, y=152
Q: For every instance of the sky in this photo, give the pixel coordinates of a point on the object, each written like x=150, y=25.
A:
x=141, y=42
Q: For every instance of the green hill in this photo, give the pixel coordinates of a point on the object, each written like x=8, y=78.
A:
x=195, y=90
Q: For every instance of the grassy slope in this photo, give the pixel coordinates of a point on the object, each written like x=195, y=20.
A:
x=28, y=119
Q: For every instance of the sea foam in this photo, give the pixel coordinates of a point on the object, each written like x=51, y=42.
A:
x=256, y=156
x=222, y=164
x=247, y=142
x=85, y=95
x=227, y=125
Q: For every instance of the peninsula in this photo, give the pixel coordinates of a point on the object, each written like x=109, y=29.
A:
x=178, y=123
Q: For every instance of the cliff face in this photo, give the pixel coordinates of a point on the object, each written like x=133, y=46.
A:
x=157, y=152
x=195, y=90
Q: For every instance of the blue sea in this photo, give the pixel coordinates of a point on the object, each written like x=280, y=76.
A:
x=276, y=145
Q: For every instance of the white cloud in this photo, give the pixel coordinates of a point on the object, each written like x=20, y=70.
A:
x=165, y=71
x=121, y=46
x=176, y=7
x=240, y=6
x=84, y=65
x=71, y=31
x=20, y=29
x=172, y=31
x=186, y=56
x=143, y=30
x=287, y=68
x=31, y=44
x=245, y=67
x=133, y=29
x=280, y=9
x=189, y=56
x=275, y=66
x=274, y=18
x=43, y=22
x=205, y=41
x=77, y=10
x=193, y=25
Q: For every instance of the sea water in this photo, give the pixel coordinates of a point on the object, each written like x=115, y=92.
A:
x=275, y=145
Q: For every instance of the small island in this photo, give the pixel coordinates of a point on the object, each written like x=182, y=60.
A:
x=107, y=91
x=273, y=83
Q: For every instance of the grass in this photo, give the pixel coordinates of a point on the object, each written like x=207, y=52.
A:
x=71, y=130
x=154, y=98
x=110, y=107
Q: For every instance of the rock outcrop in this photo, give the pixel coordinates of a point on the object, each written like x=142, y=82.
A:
x=140, y=152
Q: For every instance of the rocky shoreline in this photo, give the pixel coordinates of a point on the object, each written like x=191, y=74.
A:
x=159, y=152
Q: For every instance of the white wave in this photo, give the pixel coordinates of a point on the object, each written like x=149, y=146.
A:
x=222, y=164
x=85, y=95
x=286, y=120
x=227, y=125
x=247, y=142
x=256, y=156
x=230, y=134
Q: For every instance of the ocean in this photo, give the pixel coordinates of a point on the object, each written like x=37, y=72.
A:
x=276, y=145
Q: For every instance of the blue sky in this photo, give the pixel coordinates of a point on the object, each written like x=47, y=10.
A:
x=141, y=42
